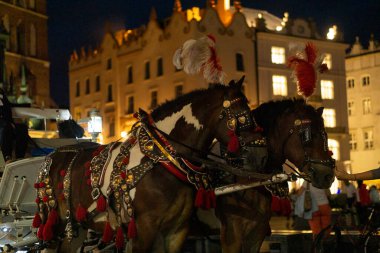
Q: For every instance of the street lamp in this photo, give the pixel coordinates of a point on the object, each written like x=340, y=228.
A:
x=94, y=124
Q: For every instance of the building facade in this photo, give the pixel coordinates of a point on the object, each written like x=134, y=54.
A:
x=363, y=91
x=26, y=53
x=133, y=68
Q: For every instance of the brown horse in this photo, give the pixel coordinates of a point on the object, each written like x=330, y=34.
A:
x=143, y=185
x=294, y=131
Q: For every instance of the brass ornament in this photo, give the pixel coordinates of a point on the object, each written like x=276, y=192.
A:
x=226, y=103
x=297, y=122
x=149, y=146
x=231, y=124
x=51, y=203
x=49, y=191
x=242, y=119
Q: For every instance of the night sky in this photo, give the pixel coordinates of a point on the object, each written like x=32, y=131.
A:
x=76, y=23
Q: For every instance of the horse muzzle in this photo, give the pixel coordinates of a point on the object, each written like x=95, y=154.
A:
x=255, y=158
x=321, y=175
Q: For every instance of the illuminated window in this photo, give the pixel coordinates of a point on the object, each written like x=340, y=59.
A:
x=130, y=104
x=334, y=147
x=77, y=89
x=239, y=62
x=279, y=85
x=365, y=80
x=77, y=113
x=160, y=67
x=368, y=138
x=109, y=64
x=178, y=90
x=329, y=117
x=328, y=60
x=353, y=141
x=350, y=108
x=147, y=70
x=278, y=55
x=327, y=89
x=367, y=108
x=153, y=100
x=87, y=86
x=350, y=83
x=129, y=74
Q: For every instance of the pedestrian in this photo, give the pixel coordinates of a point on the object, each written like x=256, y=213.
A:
x=350, y=190
x=363, y=202
x=10, y=131
x=374, y=195
x=321, y=218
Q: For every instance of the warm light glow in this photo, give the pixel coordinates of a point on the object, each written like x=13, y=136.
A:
x=334, y=147
x=193, y=13
x=332, y=32
x=227, y=4
x=329, y=117
x=327, y=89
x=328, y=61
x=260, y=15
x=279, y=85
x=100, y=138
x=123, y=134
x=278, y=28
x=278, y=55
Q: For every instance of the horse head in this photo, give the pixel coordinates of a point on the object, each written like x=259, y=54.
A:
x=296, y=132
x=219, y=112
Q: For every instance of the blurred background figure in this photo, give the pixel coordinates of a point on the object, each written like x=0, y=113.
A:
x=374, y=195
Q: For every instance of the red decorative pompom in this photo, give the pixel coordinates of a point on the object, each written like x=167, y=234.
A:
x=233, y=143
x=45, y=199
x=60, y=185
x=126, y=160
x=40, y=232
x=53, y=217
x=36, y=220
x=42, y=185
x=119, y=240
x=132, y=229
x=87, y=165
x=101, y=204
x=81, y=213
x=36, y=185
x=107, y=233
x=123, y=175
x=37, y=200
x=62, y=173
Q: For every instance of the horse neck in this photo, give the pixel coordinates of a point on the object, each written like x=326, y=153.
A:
x=186, y=128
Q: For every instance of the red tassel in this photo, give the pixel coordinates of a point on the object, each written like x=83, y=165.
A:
x=199, y=199
x=36, y=220
x=40, y=232
x=119, y=241
x=132, y=229
x=233, y=144
x=87, y=165
x=81, y=213
x=53, y=217
x=62, y=173
x=87, y=173
x=48, y=231
x=60, y=185
x=101, y=204
x=107, y=233
x=212, y=198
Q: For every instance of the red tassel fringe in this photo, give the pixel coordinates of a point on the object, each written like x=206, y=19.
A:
x=101, y=204
x=132, y=229
x=53, y=217
x=233, y=144
x=107, y=233
x=40, y=232
x=119, y=241
x=48, y=232
x=81, y=213
x=205, y=199
x=36, y=220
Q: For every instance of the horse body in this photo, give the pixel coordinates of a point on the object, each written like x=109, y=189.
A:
x=287, y=139
x=158, y=203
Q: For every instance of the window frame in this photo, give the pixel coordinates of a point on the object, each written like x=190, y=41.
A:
x=279, y=88
x=278, y=55
x=327, y=89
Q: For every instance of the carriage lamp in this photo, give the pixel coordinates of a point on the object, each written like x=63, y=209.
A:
x=95, y=124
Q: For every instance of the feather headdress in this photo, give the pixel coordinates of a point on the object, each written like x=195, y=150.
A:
x=306, y=64
x=199, y=56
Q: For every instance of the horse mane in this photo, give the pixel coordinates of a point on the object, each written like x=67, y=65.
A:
x=267, y=113
x=177, y=103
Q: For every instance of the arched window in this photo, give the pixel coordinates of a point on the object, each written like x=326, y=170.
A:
x=239, y=62
x=33, y=40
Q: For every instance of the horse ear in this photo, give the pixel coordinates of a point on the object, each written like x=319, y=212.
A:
x=231, y=83
x=320, y=111
x=240, y=82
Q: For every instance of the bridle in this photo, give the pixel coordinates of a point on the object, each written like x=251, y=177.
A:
x=303, y=128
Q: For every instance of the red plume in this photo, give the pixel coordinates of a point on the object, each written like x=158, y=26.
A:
x=37, y=220
x=305, y=65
